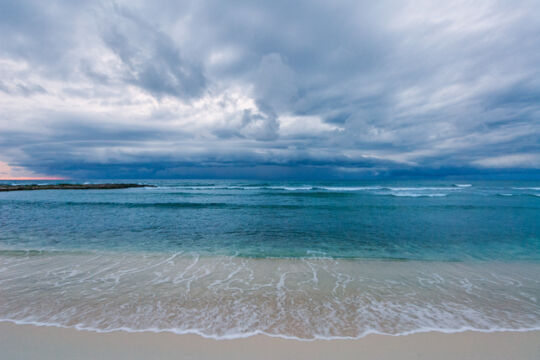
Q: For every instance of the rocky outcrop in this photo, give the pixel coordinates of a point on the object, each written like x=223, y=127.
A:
x=70, y=187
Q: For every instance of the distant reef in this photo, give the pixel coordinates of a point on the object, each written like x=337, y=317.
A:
x=70, y=187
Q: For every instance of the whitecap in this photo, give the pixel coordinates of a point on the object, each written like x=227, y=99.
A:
x=290, y=188
x=425, y=188
x=349, y=188
x=411, y=194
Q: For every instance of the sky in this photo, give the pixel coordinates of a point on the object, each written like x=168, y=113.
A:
x=269, y=89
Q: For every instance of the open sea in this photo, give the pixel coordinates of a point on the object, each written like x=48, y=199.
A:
x=305, y=260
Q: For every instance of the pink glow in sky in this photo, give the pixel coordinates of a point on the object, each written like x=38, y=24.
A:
x=16, y=173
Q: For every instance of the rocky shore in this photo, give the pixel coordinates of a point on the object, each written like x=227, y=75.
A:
x=70, y=187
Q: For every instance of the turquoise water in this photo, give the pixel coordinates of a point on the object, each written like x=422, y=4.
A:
x=412, y=220
x=293, y=259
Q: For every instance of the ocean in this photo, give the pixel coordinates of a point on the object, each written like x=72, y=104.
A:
x=305, y=260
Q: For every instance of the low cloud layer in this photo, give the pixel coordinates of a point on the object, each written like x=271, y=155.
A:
x=269, y=89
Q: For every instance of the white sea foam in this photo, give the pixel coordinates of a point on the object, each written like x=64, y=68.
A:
x=434, y=188
x=420, y=191
x=412, y=194
x=229, y=297
x=259, y=332
x=373, y=189
x=349, y=188
x=290, y=188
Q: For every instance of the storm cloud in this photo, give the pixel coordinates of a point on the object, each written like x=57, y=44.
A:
x=269, y=89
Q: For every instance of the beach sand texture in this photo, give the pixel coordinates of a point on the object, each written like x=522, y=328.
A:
x=32, y=342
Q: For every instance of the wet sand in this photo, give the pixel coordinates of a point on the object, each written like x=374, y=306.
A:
x=34, y=342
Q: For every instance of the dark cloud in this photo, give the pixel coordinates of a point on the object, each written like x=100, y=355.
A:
x=269, y=89
x=151, y=59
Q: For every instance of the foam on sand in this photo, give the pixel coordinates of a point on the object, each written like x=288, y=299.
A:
x=30, y=342
x=228, y=297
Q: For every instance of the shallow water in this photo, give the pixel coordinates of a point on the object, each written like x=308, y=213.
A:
x=304, y=260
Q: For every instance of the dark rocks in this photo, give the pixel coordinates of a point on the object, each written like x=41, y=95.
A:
x=70, y=187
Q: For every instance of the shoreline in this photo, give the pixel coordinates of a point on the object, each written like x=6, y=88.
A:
x=49, y=342
x=258, y=333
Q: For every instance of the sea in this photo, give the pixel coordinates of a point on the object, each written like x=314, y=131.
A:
x=294, y=259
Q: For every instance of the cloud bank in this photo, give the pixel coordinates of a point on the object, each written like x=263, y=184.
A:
x=269, y=89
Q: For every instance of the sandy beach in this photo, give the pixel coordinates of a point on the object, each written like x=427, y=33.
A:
x=33, y=342
x=269, y=180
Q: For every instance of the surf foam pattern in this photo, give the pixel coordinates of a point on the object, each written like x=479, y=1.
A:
x=230, y=297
